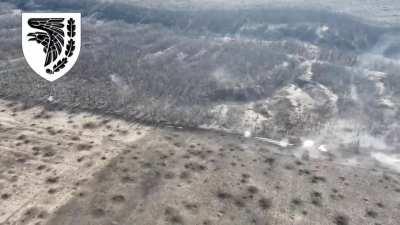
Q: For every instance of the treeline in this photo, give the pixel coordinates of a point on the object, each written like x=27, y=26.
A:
x=345, y=32
x=161, y=73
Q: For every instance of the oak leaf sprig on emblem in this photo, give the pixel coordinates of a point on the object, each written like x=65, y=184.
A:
x=70, y=48
x=60, y=65
x=71, y=27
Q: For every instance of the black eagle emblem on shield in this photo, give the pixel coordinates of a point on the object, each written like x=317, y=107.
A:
x=58, y=38
x=52, y=39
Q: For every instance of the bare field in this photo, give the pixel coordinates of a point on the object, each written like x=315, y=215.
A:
x=45, y=156
x=83, y=169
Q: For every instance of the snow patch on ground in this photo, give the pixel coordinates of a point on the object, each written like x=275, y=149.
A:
x=387, y=102
x=224, y=78
x=354, y=93
x=378, y=77
x=308, y=65
x=321, y=31
x=240, y=118
x=298, y=98
x=333, y=98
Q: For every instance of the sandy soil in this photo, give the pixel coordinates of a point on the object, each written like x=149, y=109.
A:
x=60, y=169
x=46, y=155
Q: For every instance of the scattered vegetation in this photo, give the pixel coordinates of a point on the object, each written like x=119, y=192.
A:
x=341, y=219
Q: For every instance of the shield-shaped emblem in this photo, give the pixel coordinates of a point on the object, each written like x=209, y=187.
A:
x=51, y=42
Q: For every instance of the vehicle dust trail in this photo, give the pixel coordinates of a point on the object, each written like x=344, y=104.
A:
x=391, y=161
x=281, y=143
x=46, y=155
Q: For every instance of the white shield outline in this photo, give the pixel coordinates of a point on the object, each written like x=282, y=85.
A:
x=33, y=51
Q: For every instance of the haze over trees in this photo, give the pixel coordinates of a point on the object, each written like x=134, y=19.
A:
x=272, y=71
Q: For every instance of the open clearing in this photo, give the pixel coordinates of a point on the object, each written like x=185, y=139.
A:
x=58, y=168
